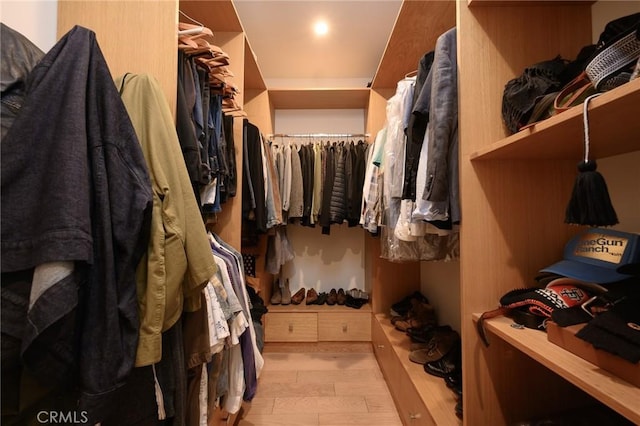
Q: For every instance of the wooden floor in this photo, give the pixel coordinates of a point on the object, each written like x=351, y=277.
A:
x=320, y=385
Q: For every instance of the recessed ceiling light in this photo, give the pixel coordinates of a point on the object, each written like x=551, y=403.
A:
x=321, y=28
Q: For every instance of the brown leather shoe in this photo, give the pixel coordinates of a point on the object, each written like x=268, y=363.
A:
x=341, y=297
x=332, y=297
x=298, y=297
x=312, y=297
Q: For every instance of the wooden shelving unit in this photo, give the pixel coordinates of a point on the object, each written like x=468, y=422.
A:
x=612, y=391
x=562, y=136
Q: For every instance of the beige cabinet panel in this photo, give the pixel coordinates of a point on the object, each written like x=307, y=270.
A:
x=291, y=327
x=344, y=326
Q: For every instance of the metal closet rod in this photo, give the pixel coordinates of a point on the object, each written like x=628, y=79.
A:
x=319, y=135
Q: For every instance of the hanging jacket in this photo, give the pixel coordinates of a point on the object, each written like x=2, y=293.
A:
x=178, y=263
x=442, y=163
x=75, y=188
x=417, y=127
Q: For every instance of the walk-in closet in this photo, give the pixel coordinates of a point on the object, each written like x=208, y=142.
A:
x=198, y=244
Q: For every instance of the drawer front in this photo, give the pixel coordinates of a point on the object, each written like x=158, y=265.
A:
x=381, y=348
x=344, y=326
x=291, y=327
x=410, y=407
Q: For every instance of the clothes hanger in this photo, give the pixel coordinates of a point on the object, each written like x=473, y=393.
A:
x=190, y=29
x=411, y=74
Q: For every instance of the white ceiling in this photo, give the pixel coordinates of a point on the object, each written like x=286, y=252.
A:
x=290, y=55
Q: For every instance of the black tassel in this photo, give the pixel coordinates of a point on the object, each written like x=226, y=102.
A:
x=590, y=203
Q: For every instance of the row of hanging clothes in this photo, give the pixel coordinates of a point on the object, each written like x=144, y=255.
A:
x=205, y=112
x=411, y=194
x=311, y=180
x=104, y=305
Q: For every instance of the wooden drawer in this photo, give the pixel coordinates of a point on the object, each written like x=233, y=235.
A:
x=344, y=326
x=291, y=327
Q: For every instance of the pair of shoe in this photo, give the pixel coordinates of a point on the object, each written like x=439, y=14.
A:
x=312, y=297
x=358, y=294
x=441, y=343
x=355, y=303
x=336, y=297
x=402, y=307
x=420, y=315
x=281, y=294
x=298, y=297
x=332, y=298
x=447, y=365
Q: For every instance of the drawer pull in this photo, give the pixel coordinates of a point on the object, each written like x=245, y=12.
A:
x=344, y=328
x=290, y=327
x=380, y=346
x=414, y=416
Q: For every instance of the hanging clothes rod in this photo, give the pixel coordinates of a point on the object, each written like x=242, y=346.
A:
x=319, y=135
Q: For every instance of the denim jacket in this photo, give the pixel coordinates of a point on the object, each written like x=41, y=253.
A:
x=75, y=188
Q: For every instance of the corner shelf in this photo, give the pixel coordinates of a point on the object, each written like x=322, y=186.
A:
x=562, y=136
x=611, y=390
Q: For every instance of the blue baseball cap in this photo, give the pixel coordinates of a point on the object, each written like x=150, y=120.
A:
x=600, y=256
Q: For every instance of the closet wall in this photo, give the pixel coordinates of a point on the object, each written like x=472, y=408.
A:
x=36, y=20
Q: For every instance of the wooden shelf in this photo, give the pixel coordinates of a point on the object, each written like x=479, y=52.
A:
x=611, y=390
x=316, y=308
x=417, y=27
x=219, y=15
x=492, y=3
x=438, y=399
x=562, y=136
x=349, y=98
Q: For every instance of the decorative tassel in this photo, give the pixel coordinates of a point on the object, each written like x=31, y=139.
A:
x=590, y=203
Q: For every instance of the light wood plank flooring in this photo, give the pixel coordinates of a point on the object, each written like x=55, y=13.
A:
x=319, y=384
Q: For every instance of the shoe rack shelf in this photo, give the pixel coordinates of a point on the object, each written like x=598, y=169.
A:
x=617, y=394
x=421, y=399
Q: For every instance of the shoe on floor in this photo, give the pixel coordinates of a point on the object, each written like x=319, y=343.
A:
x=298, y=297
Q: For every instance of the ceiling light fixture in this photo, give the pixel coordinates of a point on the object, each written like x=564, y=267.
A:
x=321, y=28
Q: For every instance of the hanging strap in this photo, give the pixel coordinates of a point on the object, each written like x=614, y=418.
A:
x=585, y=118
x=159, y=398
